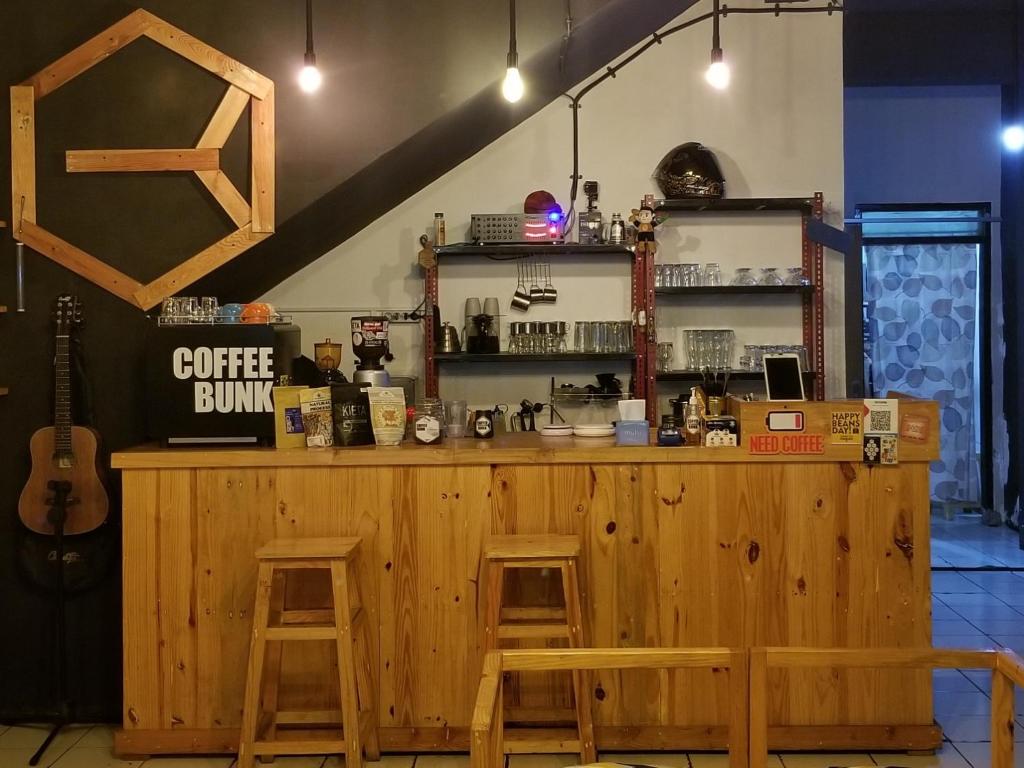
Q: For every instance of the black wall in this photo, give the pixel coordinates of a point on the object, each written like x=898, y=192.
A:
x=408, y=92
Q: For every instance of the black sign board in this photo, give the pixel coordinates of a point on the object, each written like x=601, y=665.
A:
x=208, y=383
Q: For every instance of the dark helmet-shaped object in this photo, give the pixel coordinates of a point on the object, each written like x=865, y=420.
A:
x=690, y=170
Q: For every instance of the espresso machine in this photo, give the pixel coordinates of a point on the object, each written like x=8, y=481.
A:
x=370, y=345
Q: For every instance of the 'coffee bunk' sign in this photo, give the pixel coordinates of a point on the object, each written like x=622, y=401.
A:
x=228, y=379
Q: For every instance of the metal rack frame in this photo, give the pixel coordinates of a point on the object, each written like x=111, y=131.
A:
x=639, y=307
x=812, y=298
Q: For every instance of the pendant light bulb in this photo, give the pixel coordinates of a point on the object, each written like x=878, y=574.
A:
x=512, y=87
x=718, y=75
x=310, y=78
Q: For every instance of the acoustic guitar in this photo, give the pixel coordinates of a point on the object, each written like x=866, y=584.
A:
x=64, y=454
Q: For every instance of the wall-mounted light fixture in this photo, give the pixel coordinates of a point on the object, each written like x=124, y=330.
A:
x=512, y=86
x=718, y=74
x=310, y=77
x=1013, y=138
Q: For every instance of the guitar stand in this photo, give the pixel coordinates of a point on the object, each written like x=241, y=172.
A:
x=57, y=517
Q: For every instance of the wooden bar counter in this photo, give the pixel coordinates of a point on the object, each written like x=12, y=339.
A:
x=682, y=547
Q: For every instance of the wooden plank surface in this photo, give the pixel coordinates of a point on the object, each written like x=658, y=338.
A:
x=674, y=555
x=224, y=119
x=140, y=160
x=89, y=53
x=227, y=195
x=23, y=156
x=200, y=265
x=79, y=262
x=205, y=56
x=263, y=184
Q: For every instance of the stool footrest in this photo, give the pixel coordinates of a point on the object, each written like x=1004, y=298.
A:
x=533, y=613
x=525, y=741
x=331, y=717
x=321, y=747
x=303, y=632
x=533, y=632
x=306, y=616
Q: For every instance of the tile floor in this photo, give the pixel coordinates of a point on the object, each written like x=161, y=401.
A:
x=964, y=542
x=970, y=610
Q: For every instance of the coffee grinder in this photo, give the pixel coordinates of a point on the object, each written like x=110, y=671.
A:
x=370, y=345
x=328, y=357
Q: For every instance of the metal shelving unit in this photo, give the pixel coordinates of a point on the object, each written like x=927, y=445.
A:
x=736, y=375
x=511, y=357
x=639, y=304
x=732, y=290
x=812, y=297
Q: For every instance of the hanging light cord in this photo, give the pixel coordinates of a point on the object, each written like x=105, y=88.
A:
x=716, y=37
x=833, y=6
x=513, y=54
x=309, y=32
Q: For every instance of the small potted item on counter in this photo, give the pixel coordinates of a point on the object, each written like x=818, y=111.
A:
x=387, y=414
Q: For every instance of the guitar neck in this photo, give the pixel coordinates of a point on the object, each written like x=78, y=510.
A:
x=62, y=400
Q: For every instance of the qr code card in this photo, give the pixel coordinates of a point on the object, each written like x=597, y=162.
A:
x=881, y=416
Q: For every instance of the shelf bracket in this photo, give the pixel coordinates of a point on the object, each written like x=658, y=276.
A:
x=830, y=237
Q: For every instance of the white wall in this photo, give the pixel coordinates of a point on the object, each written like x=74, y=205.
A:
x=935, y=145
x=777, y=132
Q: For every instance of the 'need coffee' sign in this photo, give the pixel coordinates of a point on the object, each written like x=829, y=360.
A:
x=211, y=382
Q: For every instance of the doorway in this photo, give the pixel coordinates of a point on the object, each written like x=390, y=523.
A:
x=926, y=313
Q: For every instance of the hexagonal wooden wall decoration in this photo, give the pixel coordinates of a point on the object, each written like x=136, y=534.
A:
x=254, y=218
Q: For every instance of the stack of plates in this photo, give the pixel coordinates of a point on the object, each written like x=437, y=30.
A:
x=594, y=430
x=556, y=430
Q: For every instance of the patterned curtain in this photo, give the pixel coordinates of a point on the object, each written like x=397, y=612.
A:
x=922, y=305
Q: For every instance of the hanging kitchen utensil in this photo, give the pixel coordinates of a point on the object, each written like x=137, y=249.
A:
x=520, y=299
x=550, y=294
x=536, y=292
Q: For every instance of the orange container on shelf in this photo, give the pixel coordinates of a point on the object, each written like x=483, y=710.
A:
x=257, y=313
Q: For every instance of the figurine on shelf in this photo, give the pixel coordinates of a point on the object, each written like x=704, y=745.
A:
x=644, y=221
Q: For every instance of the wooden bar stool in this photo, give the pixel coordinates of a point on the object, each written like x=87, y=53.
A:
x=273, y=624
x=502, y=622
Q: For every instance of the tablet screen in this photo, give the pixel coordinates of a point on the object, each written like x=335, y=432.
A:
x=783, y=377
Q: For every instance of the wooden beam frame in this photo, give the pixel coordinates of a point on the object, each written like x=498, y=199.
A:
x=487, y=738
x=254, y=218
x=140, y=160
x=1007, y=670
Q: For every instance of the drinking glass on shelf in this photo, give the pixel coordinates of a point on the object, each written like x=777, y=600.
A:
x=665, y=356
x=208, y=309
x=796, y=276
x=712, y=275
x=692, y=360
x=692, y=276
x=744, y=276
x=770, y=276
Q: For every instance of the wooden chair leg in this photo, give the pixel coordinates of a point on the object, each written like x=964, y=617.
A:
x=580, y=678
x=492, y=610
x=758, y=697
x=365, y=686
x=254, y=673
x=272, y=659
x=346, y=666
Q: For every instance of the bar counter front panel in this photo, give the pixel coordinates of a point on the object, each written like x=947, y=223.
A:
x=682, y=547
